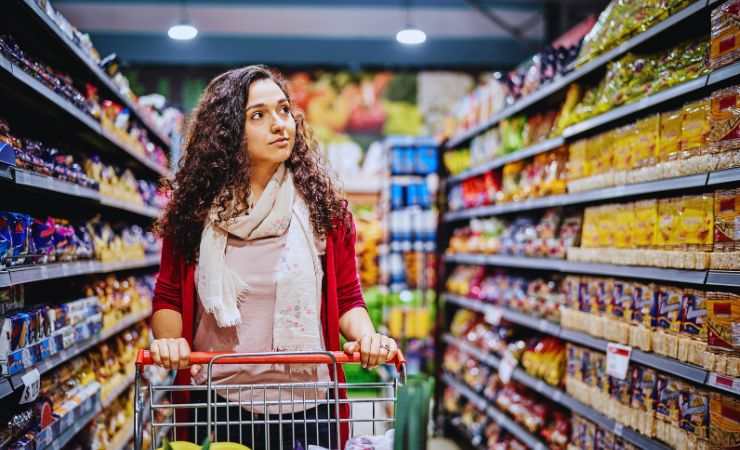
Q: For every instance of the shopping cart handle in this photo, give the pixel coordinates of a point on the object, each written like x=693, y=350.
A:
x=144, y=358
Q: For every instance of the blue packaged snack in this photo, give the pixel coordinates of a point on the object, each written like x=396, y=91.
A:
x=6, y=240
x=42, y=235
x=20, y=226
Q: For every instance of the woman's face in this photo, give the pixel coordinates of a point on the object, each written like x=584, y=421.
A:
x=270, y=127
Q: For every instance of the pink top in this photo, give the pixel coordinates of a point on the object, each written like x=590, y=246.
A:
x=256, y=263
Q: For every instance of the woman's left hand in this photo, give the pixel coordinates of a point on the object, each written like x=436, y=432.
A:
x=374, y=349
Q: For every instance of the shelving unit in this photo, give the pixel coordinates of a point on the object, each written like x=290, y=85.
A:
x=686, y=371
x=32, y=274
x=601, y=61
x=558, y=396
x=10, y=384
x=39, y=113
x=499, y=417
x=696, y=12
x=39, y=20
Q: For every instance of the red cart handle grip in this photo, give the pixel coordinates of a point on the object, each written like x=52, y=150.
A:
x=144, y=358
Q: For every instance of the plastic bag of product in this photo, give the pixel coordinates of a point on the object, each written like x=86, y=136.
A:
x=383, y=442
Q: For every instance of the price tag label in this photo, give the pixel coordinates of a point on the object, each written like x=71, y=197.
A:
x=31, y=385
x=724, y=382
x=493, y=316
x=617, y=360
x=506, y=368
x=618, y=429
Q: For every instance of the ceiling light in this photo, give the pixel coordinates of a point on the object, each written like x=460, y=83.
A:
x=411, y=36
x=183, y=30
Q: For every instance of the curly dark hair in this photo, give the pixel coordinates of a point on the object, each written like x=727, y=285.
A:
x=215, y=167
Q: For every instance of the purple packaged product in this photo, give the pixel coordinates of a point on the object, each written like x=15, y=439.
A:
x=65, y=241
x=6, y=240
x=20, y=225
x=85, y=249
x=42, y=234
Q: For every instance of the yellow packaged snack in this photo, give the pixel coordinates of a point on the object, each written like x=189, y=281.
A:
x=590, y=227
x=606, y=226
x=645, y=222
x=669, y=147
x=645, y=143
x=668, y=222
x=623, y=141
x=624, y=223
x=696, y=229
x=695, y=127
x=577, y=160
x=603, y=145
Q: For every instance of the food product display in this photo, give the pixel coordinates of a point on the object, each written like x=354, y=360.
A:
x=25, y=240
x=113, y=117
x=724, y=46
x=657, y=404
x=550, y=237
x=675, y=232
x=642, y=157
x=621, y=20
x=91, y=173
x=634, y=76
x=542, y=357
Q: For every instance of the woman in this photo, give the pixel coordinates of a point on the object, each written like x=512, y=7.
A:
x=258, y=252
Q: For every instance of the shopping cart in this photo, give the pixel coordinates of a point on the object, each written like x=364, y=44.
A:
x=266, y=416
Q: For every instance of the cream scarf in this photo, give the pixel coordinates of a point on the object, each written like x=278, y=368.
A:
x=279, y=210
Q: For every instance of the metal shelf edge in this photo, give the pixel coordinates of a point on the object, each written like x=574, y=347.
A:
x=95, y=69
x=724, y=73
x=524, y=153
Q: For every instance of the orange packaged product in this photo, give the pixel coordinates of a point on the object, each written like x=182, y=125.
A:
x=724, y=421
x=724, y=46
x=726, y=253
x=724, y=134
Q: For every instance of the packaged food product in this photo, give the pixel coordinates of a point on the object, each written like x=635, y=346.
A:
x=694, y=411
x=668, y=390
x=668, y=223
x=725, y=35
x=724, y=426
x=645, y=222
x=724, y=134
x=671, y=125
x=624, y=225
x=695, y=127
x=644, y=149
x=696, y=224
x=727, y=220
x=723, y=321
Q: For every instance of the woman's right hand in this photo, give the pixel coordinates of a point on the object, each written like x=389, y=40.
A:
x=171, y=353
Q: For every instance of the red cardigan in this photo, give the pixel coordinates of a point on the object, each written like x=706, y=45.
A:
x=175, y=290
